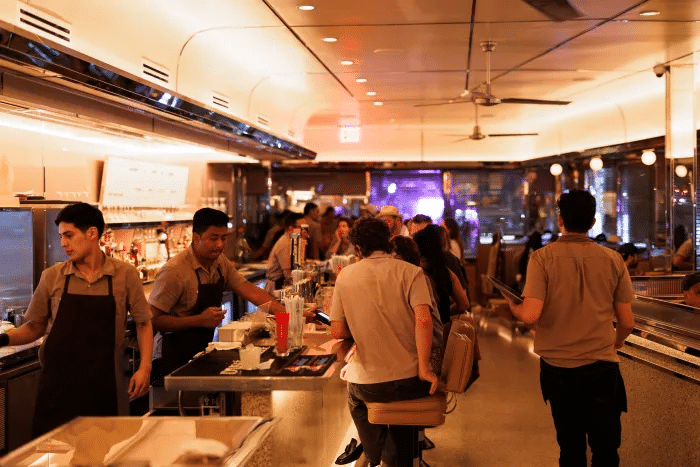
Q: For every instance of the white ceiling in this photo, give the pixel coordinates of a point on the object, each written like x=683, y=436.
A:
x=270, y=59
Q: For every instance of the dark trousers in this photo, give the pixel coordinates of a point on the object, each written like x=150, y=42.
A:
x=382, y=442
x=586, y=401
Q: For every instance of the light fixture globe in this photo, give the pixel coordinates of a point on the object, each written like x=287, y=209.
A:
x=556, y=169
x=681, y=171
x=648, y=157
x=596, y=164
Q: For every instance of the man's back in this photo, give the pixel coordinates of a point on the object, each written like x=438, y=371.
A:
x=579, y=281
x=376, y=297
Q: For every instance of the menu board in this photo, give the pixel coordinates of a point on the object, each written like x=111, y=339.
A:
x=133, y=183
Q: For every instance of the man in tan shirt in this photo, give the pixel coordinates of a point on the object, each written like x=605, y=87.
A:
x=82, y=305
x=574, y=291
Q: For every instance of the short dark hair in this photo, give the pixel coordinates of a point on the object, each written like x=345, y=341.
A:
x=208, y=217
x=309, y=207
x=577, y=210
x=344, y=219
x=627, y=250
x=83, y=216
x=290, y=219
x=421, y=219
x=371, y=234
x=690, y=280
x=406, y=249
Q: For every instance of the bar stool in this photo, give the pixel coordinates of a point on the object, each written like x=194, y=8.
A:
x=408, y=417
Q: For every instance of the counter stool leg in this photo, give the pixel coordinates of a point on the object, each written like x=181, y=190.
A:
x=406, y=445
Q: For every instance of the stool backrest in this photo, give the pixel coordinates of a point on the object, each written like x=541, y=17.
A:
x=458, y=360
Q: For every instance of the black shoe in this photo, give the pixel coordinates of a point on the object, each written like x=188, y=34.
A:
x=352, y=452
x=426, y=444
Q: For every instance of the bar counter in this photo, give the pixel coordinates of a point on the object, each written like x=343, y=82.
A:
x=310, y=411
x=661, y=370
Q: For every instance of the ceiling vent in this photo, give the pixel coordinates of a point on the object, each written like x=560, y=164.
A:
x=263, y=121
x=221, y=101
x=42, y=23
x=155, y=72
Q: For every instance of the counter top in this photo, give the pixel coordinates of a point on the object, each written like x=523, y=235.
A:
x=202, y=374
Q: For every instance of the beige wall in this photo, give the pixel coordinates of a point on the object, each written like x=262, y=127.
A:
x=61, y=168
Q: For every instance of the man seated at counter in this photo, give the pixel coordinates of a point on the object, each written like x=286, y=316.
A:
x=279, y=263
x=188, y=291
x=384, y=304
x=691, y=289
x=83, y=303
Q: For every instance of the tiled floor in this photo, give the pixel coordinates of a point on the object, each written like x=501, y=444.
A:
x=501, y=420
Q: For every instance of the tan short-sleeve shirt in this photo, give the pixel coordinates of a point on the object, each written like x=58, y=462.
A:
x=126, y=286
x=579, y=282
x=175, y=288
x=376, y=297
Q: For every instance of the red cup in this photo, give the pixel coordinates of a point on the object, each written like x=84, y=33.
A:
x=282, y=328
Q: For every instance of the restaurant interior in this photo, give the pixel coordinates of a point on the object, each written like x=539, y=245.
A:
x=480, y=111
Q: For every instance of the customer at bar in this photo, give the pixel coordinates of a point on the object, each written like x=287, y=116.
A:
x=188, y=291
x=451, y=296
x=368, y=210
x=83, y=303
x=691, y=289
x=574, y=290
x=456, y=243
x=279, y=263
x=384, y=305
x=390, y=215
x=311, y=218
x=683, y=247
x=341, y=244
x=418, y=223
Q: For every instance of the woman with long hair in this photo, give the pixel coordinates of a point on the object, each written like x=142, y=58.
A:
x=447, y=288
x=456, y=243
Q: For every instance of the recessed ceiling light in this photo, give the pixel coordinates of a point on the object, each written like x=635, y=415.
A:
x=649, y=13
x=378, y=103
x=330, y=39
x=346, y=62
x=361, y=80
x=306, y=7
x=371, y=93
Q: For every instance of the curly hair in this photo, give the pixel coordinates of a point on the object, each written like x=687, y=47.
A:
x=370, y=235
x=406, y=249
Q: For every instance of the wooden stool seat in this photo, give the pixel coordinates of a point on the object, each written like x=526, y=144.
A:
x=426, y=411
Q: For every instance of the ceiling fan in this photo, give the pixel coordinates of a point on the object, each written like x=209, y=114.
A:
x=484, y=96
x=477, y=134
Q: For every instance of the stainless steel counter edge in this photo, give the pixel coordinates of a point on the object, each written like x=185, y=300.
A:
x=249, y=384
x=669, y=360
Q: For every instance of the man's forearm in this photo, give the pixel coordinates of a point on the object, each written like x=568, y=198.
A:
x=258, y=296
x=176, y=323
x=424, y=337
x=144, y=334
x=27, y=333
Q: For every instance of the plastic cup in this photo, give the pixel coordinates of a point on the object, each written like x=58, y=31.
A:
x=282, y=331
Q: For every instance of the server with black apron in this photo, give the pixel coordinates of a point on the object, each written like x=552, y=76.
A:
x=83, y=303
x=187, y=293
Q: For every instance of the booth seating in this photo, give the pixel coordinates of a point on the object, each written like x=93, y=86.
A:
x=429, y=411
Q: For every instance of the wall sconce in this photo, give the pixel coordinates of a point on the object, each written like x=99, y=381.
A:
x=556, y=169
x=681, y=171
x=648, y=157
x=596, y=164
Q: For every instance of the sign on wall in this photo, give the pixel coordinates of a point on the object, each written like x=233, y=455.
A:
x=133, y=183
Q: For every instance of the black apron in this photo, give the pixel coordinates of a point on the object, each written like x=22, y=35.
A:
x=180, y=346
x=78, y=374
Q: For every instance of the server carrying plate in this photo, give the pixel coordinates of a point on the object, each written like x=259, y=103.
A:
x=83, y=303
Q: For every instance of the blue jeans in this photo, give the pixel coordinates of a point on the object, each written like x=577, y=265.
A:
x=586, y=401
x=377, y=445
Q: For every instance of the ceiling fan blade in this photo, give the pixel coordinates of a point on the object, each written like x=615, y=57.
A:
x=461, y=139
x=455, y=136
x=451, y=101
x=558, y=10
x=517, y=100
x=495, y=135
